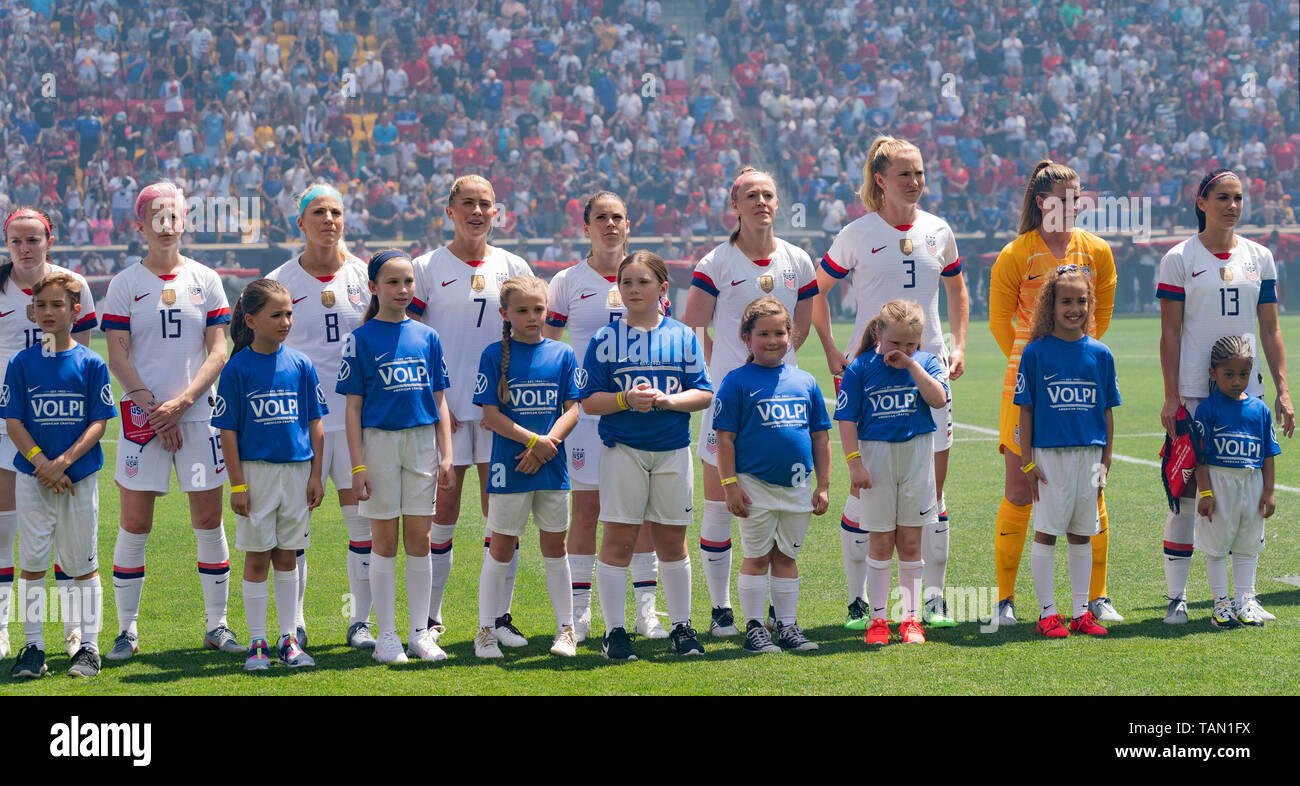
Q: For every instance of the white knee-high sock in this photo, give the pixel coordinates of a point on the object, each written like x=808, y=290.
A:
x=67, y=590
x=128, y=577
x=1079, y=559
x=853, y=548
x=90, y=599
x=715, y=552
x=558, y=581
x=31, y=594
x=419, y=575
x=1042, y=566
x=934, y=549
x=677, y=590
x=645, y=581
x=878, y=586
x=286, y=601
x=753, y=597
x=582, y=567
x=611, y=585
x=214, y=573
x=1243, y=574
x=299, y=620
x=1179, y=531
x=8, y=529
x=785, y=599
x=508, y=587
x=383, y=588
x=909, y=586
x=256, y=600
x=440, y=537
x=490, y=580
x=358, y=528
x=1216, y=569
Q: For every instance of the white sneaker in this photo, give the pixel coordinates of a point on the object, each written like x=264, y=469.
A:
x=582, y=625
x=566, y=643
x=507, y=634
x=425, y=647
x=648, y=627
x=1176, y=612
x=1104, y=610
x=1006, y=614
x=485, y=644
x=388, y=649
x=72, y=642
x=1251, y=601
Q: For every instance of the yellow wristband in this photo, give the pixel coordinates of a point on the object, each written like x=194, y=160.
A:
x=622, y=402
x=241, y=488
x=1207, y=493
x=358, y=468
x=1025, y=469
x=531, y=442
x=730, y=481
x=32, y=452
x=853, y=455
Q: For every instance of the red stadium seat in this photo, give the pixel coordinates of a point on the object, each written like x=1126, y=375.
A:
x=677, y=88
x=522, y=85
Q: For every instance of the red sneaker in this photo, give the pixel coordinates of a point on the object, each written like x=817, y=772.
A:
x=1087, y=624
x=910, y=631
x=878, y=632
x=1053, y=627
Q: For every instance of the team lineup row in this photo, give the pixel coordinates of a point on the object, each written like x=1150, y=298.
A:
x=402, y=418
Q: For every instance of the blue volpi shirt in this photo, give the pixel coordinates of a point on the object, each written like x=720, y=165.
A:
x=622, y=358
x=541, y=378
x=884, y=401
x=1235, y=433
x=57, y=397
x=396, y=367
x=772, y=412
x=269, y=400
x=1070, y=385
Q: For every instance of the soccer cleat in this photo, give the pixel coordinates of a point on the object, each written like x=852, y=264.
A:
x=30, y=664
x=910, y=631
x=485, y=644
x=1006, y=612
x=222, y=638
x=259, y=656
x=859, y=615
x=566, y=643
x=1251, y=600
x=757, y=639
x=1104, y=610
x=1053, y=627
x=686, y=641
x=4, y=639
x=360, y=636
x=723, y=623
x=72, y=642
x=790, y=637
x=85, y=663
x=1223, y=616
x=301, y=635
x=124, y=646
x=770, y=622
x=1087, y=624
x=424, y=645
x=507, y=634
x=648, y=627
x=388, y=648
x=291, y=653
x=936, y=613
x=582, y=626
x=1176, y=613
x=617, y=645
x=878, y=632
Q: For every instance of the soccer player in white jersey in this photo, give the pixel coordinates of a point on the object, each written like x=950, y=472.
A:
x=584, y=298
x=1213, y=284
x=753, y=263
x=897, y=251
x=28, y=240
x=457, y=294
x=330, y=292
x=165, y=319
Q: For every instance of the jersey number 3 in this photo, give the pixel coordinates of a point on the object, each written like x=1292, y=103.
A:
x=911, y=273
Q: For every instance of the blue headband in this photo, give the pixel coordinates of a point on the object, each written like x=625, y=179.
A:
x=378, y=260
x=320, y=189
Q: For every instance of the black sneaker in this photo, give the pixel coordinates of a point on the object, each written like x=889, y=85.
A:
x=790, y=637
x=859, y=615
x=757, y=639
x=31, y=663
x=685, y=640
x=85, y=663
x=617, y=645
x=723, y=623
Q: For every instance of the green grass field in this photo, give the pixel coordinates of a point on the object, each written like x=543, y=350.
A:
x=1141, y=656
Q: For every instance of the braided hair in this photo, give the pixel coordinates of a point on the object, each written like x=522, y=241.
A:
x=1230, y=348
x=528, y=285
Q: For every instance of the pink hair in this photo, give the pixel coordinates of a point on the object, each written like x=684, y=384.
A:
x=159, y=191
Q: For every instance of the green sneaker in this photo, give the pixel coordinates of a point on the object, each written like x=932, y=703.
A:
x=936, y=613
x=857, y=618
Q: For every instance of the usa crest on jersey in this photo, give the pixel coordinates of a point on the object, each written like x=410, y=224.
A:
x=196, y=295
x=354, y=294
x=790, y=281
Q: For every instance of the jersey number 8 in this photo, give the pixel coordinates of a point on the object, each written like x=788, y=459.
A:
x=331, y=328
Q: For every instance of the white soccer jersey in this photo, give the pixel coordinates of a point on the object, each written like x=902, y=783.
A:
x=325, y=310
x=460, y=300
x=18, y=332
x=167, y=317
x=893, y=263
x=1220, y=298
x=736, y=281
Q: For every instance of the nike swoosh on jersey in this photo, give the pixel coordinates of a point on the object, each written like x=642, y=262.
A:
x=738, y=283
x=299, y=300
x=5, y=313
x=755, y=393
x=142, y=297
x=453, y=281
x=220, y=470
x=589, y=294
x=1197, y=273
x=29, y=390
x=1040, y=275
x=1051, y=376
